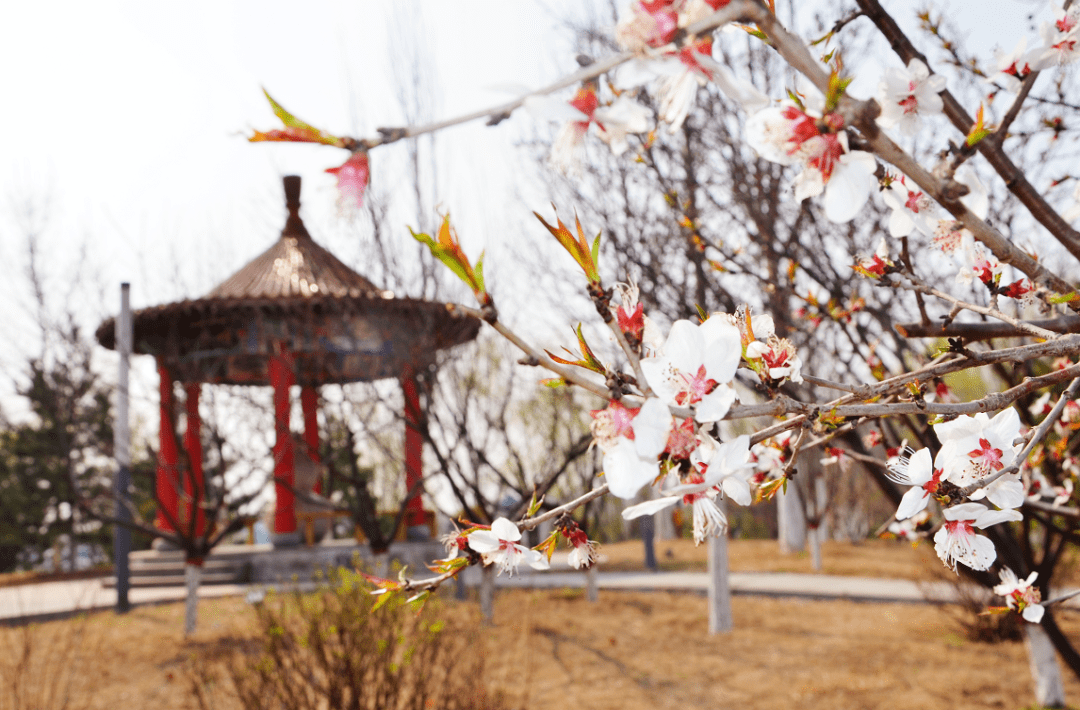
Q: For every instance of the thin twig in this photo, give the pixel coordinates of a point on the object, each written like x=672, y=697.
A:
x=734, y=11
x=857, y=390
x=919, y=286
x=795, y=449
x=538, y=357
x=632, y=357
x=1051, y=508
x=1062, y=598
x=530, y=523
x=984, y=331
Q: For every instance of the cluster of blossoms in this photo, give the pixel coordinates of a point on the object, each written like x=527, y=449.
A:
x=673, y=73
x=499, y=545
x=800, y=132
x=693, y=369
x=973, y=449
x=1020, y=595
x=1055, y=450
x=1059, y=48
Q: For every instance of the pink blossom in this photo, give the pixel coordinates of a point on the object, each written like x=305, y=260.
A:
x=1061, y=37
x=724, y=472
x=649, y=24
x=584, y=554
x=1013, y=67
x=352, y=178
x=975, y=447
x=632, y=439
x=911, y=208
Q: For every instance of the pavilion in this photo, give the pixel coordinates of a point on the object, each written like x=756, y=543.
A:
x=294, y=315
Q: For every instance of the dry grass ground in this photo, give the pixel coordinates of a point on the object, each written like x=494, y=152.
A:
x=630, y=651
x=889, y=559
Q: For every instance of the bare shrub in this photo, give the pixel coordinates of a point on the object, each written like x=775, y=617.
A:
x=42, y=666
x=330, y=649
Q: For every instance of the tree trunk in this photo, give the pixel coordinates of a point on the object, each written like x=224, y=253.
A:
x=380, y=564
x=665, y=526
x=192, y=576
x=592, y=587
x=813, y=536
x=648, y=537
x=1066, y=652
x=821, y=506
x=487, y=594
x=1049, y=690
x=791, y=520
x=720, y=618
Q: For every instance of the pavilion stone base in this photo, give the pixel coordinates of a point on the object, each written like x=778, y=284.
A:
x=303, y=564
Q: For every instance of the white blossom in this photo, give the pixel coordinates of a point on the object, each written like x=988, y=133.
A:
x=906, y=95
x=499, y=547
x=956, y=540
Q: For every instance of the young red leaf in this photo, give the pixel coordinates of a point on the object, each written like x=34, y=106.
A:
x=584, y=253
x=447, y=249
x=295, y=131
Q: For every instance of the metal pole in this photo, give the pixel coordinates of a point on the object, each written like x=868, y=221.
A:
x=122, y=446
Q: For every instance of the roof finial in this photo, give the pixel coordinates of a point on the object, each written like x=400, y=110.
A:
x=294, y=227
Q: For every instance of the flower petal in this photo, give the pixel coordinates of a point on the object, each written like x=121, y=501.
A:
x=505, y=530
x=651, y=428
x=624, y=470
x=914, y=501
x=650, y=507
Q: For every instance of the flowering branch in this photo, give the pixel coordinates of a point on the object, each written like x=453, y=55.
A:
x=916, y=284
x=1040, y=432
x=1013, y=177
x=530, y=523
x=842, y=406
x=862, y=114
x=734, y=11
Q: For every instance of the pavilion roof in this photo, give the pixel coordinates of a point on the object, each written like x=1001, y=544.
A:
x=346, y=328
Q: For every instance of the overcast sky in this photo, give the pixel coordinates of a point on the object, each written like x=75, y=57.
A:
x=129, y=118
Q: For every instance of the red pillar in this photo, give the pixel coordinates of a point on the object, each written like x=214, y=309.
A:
x=414, y=450
x=281, y=377
x=309, y=401
x=168, y=457
x=194, y=485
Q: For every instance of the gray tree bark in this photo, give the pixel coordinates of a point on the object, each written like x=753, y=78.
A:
x=720, y=617
x=192, y=577
x=792, y=522
x=1045, y=672
x=592, y=587
x=487, y=594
